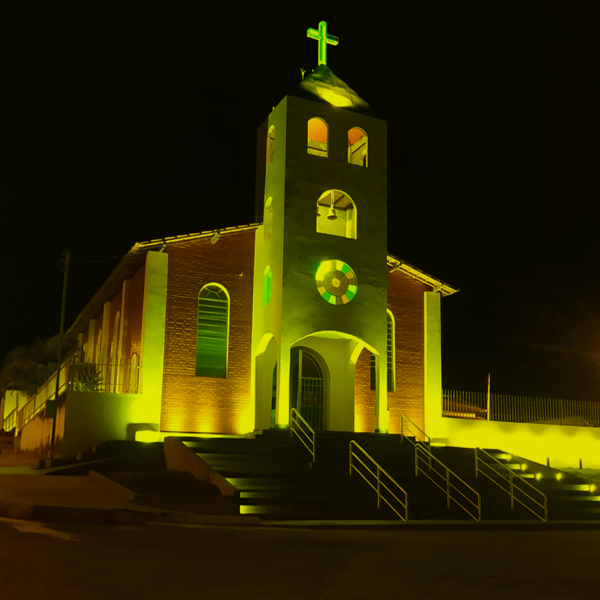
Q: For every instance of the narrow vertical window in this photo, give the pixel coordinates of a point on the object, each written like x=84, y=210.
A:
x=268, y=218
x=317, y=137
x=114, y=353
x=270, y=145
x=391, y=352
x=213, y=331
x=373, y=372
x=97, y=357
x=358, y=147
x=267, y=275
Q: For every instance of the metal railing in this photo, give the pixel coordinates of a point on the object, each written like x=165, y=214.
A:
x=82, y=377
x=513, y=484
x=10, y=422
x=457, y=490
x=376, y=481
x=520, y=409
x=105, y=378
x=37, y=403
x=411, y=427
x=304, y=432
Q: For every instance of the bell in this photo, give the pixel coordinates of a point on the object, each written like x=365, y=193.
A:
x=331, y=216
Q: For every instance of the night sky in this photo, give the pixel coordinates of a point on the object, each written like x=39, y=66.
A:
x=126, y=123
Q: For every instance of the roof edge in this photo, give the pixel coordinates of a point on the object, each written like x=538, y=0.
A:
x=438, y=286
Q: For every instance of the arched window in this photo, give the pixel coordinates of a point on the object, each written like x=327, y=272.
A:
x=213, y=331
x=270, y=145
x=268, y=218
x=134, y=374
x=336, y=214
x=317, y=137
x=267, y=275
x=97, y=357
x=391, y=352
x=114, y=353
x=358, y=147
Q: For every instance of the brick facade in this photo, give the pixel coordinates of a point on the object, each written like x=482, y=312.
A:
x=364, y=396
x=405, y=300
x=205, y=404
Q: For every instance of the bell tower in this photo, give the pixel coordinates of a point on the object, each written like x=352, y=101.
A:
x=320, y=260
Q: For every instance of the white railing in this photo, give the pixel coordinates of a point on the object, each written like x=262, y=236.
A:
x=304, y=432
x=455, y=488
x=520, y=409
x=10, y=421
x=105, y=377
x=518, y=488
x=47, y=391
x=376, y=476
x=82, y=377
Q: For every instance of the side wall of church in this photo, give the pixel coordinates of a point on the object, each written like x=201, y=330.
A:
x=406, y=301
x=130, y=323
x=208, y=404
x=364, y=396
x=132, y=342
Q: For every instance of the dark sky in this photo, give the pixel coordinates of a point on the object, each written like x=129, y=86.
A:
x=126, y=123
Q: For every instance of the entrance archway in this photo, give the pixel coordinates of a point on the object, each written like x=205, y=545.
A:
x=308, y=386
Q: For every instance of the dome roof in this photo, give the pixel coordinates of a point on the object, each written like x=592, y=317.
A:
x=324, y=86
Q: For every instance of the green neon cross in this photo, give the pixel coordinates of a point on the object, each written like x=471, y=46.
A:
x=323, y=39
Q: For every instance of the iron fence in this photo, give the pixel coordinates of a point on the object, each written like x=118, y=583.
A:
x=520, y=409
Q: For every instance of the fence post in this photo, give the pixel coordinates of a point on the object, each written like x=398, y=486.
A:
x=488, y=398
x=447, y=488
x=416, y=461
x=378, y=487
x=350, y=459
x=476, y=464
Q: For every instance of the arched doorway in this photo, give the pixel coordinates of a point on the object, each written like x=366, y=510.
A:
x=307, y=386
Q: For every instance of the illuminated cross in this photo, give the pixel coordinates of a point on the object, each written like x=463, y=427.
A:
x=323, y=39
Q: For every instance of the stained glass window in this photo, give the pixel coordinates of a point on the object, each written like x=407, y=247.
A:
x=213, y=331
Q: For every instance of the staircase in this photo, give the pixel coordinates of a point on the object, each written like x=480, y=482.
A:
x=277, y=482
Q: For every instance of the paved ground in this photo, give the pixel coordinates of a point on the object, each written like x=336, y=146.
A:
x=160, y=561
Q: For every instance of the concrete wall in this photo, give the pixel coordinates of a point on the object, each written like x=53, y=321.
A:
x=36, y=435
x=153, y=334
x=563, y=445
x=93, y=418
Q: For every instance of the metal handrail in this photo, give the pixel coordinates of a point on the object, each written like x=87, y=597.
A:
x=423, y=453
x=403, y=419
x=299, y=425
x=379, y=483
x=512, y=487
x=10, y=422
x=427, y=439
x=471, y=505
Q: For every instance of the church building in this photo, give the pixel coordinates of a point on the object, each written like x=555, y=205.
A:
x=226, y=331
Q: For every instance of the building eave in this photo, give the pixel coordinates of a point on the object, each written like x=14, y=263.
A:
x=395, y=264
x=129, y=265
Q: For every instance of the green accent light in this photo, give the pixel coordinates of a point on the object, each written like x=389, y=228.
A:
x=323, y=38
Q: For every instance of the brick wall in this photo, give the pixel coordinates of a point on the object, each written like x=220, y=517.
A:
x=364, y=396
x=405, y=300
x=206, y=404
x=132, y=342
